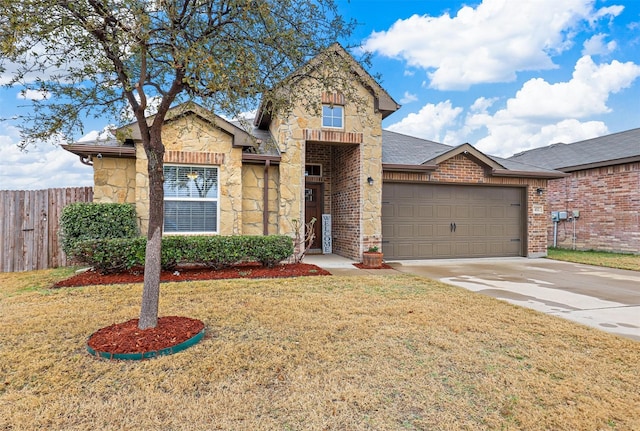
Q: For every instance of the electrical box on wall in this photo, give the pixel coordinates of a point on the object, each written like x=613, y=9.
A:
x=562, y=215
x=576, y=214
x=555, y=216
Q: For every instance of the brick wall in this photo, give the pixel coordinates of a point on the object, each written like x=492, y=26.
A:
x=346, y=201
x=462, y=169
x=608, y=201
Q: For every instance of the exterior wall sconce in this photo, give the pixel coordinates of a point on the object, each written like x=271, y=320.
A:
x=370, y=181
x=539, y=191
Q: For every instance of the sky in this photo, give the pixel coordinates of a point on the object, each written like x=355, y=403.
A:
x=502, y=75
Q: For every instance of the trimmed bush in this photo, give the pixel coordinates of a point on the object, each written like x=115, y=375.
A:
x=217, y=252
x=111, y=255
x=83, y=221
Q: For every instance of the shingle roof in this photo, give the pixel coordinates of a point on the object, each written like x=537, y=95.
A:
x=602, y=151
x=408, y=150
x=399, y=149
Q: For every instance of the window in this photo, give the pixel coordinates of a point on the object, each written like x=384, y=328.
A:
x=313, y=170
x=332, y=116
x=190, y=199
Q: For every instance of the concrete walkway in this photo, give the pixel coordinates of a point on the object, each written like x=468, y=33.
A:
x=604, y=298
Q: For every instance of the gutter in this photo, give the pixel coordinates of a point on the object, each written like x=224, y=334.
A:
x=529, y=174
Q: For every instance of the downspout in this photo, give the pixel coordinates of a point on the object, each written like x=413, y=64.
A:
x=265, y=197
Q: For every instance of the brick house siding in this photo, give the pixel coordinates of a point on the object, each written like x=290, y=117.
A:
x=462, y=169
x=608, y=201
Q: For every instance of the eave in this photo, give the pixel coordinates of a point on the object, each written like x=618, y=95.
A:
x=602, y=164
x=260, y=159
x=391, y=167
x=528, y=174
x=88, y=152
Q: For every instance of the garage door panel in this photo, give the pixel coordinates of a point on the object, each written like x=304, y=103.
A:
x=425, y=211
x=424, y=231
x=417, y=221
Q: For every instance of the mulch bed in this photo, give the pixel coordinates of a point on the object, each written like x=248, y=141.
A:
x=361, y=266
x=124, y=338
x=121, y=338
x=247, y=270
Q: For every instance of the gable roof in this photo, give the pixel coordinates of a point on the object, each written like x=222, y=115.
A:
x=240, y=137
x=407, y=153
x=614, y=149
x=384, y=103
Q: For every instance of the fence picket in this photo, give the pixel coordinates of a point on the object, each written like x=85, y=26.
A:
x=30, y=224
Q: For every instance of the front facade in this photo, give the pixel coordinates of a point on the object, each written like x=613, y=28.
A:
x=596, y=206
x=364, y=186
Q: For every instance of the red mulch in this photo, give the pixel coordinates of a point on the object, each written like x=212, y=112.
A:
x=127, y=338
x=361, y=266
x=247, y=270
x=170, y=331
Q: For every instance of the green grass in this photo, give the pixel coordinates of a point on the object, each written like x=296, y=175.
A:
x=312, y=353
x=597, y=258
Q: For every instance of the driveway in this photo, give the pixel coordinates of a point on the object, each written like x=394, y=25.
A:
x=607, y=299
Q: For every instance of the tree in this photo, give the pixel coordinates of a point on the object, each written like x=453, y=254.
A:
x=98, y=57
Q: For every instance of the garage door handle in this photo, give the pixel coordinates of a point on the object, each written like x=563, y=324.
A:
x=452, y=227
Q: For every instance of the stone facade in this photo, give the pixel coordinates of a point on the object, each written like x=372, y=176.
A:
x=194, y=141
x=462, y=169
x=608, y=204
x=114, y=180
x=348, y=156
x=253, y=202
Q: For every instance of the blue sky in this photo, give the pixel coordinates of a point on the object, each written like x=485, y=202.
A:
x=502, y=75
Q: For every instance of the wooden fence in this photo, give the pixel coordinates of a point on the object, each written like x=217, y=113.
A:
x=29, y=227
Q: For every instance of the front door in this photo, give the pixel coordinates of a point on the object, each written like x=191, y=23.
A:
x=313, y=209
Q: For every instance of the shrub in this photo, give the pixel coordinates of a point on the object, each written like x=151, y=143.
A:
x=83, y=221
x=118, y=254
x=111, y=255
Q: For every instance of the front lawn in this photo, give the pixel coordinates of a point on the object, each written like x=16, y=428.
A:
x=311, y=353
x=597, y=258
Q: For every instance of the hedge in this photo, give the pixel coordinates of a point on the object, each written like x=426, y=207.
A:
x=83, y=221
x=217, y=252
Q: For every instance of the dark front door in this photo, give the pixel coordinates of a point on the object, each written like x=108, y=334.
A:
x=313, y=209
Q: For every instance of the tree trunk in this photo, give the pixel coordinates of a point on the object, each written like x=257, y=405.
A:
x=152, y=264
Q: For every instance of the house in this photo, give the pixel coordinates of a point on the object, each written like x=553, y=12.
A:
x=597, y=205
x=365, y=186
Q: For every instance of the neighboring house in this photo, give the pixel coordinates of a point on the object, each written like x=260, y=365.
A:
x=365, y=186
x=598, y=203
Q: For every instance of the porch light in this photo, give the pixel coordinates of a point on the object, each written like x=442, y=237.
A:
x=539, y=191
x=370, y=181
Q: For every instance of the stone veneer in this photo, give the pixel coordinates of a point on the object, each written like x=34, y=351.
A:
x=356, y=152
x=114, y=180
x=608, y=205
x=190, y=140
x=253, y=199
x=462, y=169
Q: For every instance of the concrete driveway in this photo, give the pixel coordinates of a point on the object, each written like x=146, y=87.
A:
x=607, y=299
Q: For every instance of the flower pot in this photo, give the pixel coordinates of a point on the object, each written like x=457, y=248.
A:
x=372, y=259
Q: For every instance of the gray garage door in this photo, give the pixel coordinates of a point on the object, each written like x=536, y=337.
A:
x=423, y=221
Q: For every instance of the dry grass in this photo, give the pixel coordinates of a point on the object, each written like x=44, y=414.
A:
x=317, y=353
x=597, y=258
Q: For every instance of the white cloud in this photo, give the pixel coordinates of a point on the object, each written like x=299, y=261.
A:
x=430, y=122
x=33, y=95
x=408, y=98
x=41, y=167
x=487, y=44
x=596, y=45
x=584, y=95
x=540, y=113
